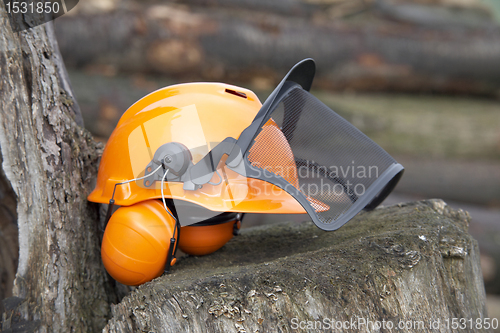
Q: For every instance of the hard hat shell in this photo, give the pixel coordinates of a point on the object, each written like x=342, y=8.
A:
x=199, y=116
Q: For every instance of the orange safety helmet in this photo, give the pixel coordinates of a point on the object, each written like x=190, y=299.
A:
x=198, y=116
x=190, y=159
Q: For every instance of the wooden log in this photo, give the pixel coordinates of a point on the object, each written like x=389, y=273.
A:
x=413, y=264
x=220, y=42
x=51, y=163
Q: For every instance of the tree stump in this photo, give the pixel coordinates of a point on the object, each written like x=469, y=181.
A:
x=412, y=265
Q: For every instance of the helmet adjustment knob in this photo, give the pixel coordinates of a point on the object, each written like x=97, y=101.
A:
x=172, y=156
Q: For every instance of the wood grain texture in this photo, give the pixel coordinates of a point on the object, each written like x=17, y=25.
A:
x=412, y=262
x=51, y=164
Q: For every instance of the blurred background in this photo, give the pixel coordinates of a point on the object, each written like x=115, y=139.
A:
x=420, y=77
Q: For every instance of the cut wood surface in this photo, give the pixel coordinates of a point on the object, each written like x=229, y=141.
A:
x=412, y=263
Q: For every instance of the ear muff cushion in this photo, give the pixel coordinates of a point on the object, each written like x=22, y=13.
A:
x=136, y=240
x=201, y=240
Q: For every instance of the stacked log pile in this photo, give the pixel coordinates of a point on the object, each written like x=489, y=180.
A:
x=445, y=46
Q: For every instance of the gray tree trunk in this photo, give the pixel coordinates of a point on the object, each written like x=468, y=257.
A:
x=51, y=163
x=411, y=265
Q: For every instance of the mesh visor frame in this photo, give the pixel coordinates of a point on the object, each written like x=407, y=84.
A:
x=376, y=190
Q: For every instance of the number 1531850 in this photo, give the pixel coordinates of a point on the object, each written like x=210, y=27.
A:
x=25, y=7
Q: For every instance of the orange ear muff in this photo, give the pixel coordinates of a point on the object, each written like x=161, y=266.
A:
x=201, y=240
x=136, y=242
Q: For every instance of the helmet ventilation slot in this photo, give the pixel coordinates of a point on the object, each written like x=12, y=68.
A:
x=236, y=93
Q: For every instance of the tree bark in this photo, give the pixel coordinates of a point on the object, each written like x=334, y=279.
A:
x=225, y=40
x=411, y=263
x=51, y=163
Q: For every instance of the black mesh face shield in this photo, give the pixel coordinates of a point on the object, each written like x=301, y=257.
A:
x=300, y=145
x=303, y=147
